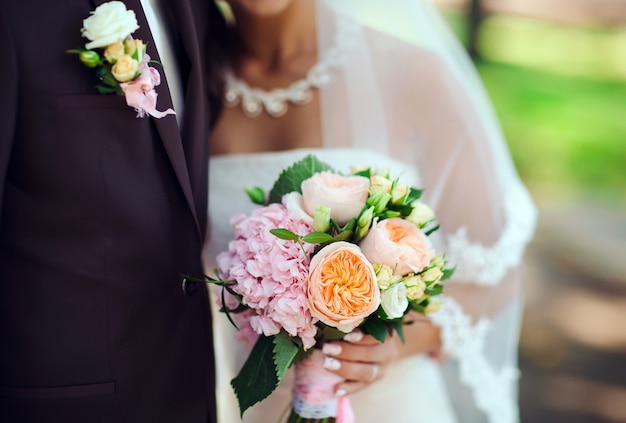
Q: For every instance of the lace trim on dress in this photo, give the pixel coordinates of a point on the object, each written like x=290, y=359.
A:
x=487, y=265
x=464, y=341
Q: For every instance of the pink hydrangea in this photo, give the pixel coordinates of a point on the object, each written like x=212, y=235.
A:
x=270, y=274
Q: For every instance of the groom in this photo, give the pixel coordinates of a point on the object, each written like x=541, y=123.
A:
x=101, y=212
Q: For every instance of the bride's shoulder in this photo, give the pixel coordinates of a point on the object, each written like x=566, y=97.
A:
x=395, y=51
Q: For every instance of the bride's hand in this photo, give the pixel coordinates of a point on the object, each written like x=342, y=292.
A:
x=362, y=360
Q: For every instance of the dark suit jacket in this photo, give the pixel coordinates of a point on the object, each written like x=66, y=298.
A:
x=100, y=213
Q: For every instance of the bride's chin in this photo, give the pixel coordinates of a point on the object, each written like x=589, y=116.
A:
x=261, y=8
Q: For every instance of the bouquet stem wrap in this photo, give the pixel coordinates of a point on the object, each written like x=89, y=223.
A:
x=314, y=399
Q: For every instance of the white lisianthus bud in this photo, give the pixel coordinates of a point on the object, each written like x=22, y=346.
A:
x=399, y=193
x=433, y=306
x=110, y=22
x=384, y=276
x=379, y=200
x=383, y=172
x=321, y=220
x=379, y=184
x=125, y=69
x=421, y=214
x=394, y=301
x=89, y=58
x=432, y=275
x=365, y=220
x=358, y=168
x=438, y=261
x=114, y=51
x=135, y=48
x=415, y=287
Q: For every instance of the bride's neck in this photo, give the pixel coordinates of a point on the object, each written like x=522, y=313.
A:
x=271, y=41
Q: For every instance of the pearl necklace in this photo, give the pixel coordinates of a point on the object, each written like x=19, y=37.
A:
x=275, y=102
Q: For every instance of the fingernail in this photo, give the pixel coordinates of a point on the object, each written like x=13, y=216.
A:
x=331, y=363
x=354, y=336
x=331, y=349
x=341, y=393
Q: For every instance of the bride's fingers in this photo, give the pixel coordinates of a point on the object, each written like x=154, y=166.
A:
x=374, y=352
x=364, y=373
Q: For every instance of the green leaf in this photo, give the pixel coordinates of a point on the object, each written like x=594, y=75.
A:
x=329, y=333
x=434, y=290
x=285, y=234
x=365, y=172
x=258, y=378
x=317, y=237
x=397, y=325
x=414, y=194
x=447, y=273
x=256, y=194
x=291, y=178
x=284, y=353
x=375, y=327
x=431, y=230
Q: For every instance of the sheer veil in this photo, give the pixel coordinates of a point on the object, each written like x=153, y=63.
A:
x=402, y=85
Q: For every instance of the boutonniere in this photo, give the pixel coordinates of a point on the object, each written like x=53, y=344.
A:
x=122, y=65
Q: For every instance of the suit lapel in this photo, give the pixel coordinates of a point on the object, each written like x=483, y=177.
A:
x=196, y=120
x=166, y=126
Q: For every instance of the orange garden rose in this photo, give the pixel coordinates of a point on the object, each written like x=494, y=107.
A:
x=342, y=289
x=399, y=244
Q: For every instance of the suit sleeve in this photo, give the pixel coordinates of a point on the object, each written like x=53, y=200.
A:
x=8, y=99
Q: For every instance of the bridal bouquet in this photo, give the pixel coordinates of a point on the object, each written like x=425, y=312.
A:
x=322, y=255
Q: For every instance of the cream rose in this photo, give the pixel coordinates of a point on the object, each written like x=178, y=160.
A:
x=293, y=202
x=344, y=195
x=342, y=289
x=114, y=51
x=110, y=22
x=380, y=184
x=125, y=69
x=394, y=301
x=398, y=244
x=415, y=287
x=421, y=214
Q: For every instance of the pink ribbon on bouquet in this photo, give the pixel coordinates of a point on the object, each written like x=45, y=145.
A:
x=141, y=95
x=313, y=392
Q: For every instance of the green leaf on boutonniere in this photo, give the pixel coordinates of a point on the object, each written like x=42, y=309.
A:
x=291, y=178
x=257, y=379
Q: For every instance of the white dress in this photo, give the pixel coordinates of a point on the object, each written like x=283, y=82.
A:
x=413, y=389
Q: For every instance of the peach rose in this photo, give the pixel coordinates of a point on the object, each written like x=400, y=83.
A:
x=399, y=244
x=342, y=289
x=344, y=195
x=125, y=69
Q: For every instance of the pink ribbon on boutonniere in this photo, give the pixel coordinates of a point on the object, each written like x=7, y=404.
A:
x=140, y=93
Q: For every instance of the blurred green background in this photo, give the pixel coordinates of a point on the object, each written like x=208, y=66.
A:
x=556, y=73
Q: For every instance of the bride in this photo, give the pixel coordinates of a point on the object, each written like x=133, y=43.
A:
x=382, y=84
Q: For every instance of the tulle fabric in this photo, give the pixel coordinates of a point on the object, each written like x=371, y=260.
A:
x=407, y=89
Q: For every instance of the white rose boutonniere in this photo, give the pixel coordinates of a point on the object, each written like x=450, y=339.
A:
x=122, y=66
x=109, y=23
